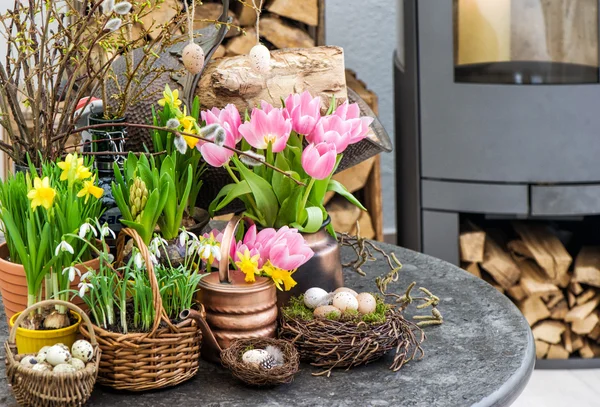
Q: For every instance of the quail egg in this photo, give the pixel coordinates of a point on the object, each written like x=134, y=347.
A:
x=254, y=356
x=29, y=361
x=324, y=310
x=57, y=355
x=345, y=301
x=345, y=290
x=82, y=350
x=78, y=364
x=41, y=356
x=64, y=368
x=314, y=297
x=42, y=367
x=366, y=303
x=62, y=345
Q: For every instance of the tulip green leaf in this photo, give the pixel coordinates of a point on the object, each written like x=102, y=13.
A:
x=229, y=192
x=289, y=208
x=314, y=220
x=282, y=185
x=262, y=191
x=337, y=187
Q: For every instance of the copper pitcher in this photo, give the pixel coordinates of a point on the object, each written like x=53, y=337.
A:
x=232, y=308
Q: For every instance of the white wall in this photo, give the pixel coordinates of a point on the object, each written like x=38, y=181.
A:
x=366, y=29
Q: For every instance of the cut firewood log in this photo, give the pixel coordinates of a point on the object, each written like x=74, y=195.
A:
x=519, y=248
x=587, y=266
x=586, y=296
x=541, y=349
x=219, y=52
x=490, y=280
x=242, y=44
x=571, y=299
x=319, y=70
x=283, y=34
x=595, y=334
x=499, y=264
x=549, y=331
x=575, y=287
x=306, y=11
x=546, y=248
x=585, y=326
x=562, y=281
x=577, y=341
x=471, y=243
x=534, y=310
x=534, y=281
x=559, y=311
x=567, y=339
x=554, y=300
x=557, y=352
x=589, y=350
x=245, y=15
x=474, y=269
x=516, y=292
x=582, y=311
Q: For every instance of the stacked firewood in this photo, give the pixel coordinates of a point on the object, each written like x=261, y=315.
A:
x=558, y=298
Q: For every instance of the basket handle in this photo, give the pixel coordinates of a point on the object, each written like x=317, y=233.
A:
x=160, y=313
x=228, y=235
x=72, y=307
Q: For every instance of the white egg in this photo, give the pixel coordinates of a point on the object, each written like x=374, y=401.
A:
x=82, y=350
x=324, y=310
x=254, y=356
x=29, y=361
x=366, y=303
x=57, y=355
x=42, y=367
x=345, y=301
x=192, y=57
x=64, y=368
x=260, y=58
x=62, y=345
x=314, y=297
x=78, y=364
x=347, y=290
x=41, y=356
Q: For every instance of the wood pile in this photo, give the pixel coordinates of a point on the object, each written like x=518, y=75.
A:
x=558, y=295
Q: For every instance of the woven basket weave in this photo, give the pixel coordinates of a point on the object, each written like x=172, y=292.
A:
x=48, y=389
x=165, y=356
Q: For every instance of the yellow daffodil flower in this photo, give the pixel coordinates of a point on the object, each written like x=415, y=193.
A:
x=170, y=97
x=280, y=277
x=189, y=126
x=42, y=193
x=248, y=265
x=72, y=168
x=90, y=189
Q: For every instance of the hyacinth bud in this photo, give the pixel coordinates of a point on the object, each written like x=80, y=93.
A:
x=138, y=195
x=134, y=210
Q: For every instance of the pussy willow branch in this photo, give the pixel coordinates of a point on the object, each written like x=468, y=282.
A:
x=180, y=133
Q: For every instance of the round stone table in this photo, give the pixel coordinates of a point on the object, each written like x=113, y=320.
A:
x=482, y=355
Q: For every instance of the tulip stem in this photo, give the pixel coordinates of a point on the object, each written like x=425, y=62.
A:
x=231, y=173
x=305, y=197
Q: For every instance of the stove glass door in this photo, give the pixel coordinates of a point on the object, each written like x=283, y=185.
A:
x=526, y=41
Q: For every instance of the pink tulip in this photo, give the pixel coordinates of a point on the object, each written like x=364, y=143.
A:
x=360, y=125
x=266, y=107
x=228, y=118
x=347, y=111
x=288, y=250
x=264, y=128
x=304, y=110
x=216, y=155
x=318, y=160
x=334, y=130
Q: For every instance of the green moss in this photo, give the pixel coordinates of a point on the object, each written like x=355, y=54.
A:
x=297, y=309
x=377, y=317
x=334, y=315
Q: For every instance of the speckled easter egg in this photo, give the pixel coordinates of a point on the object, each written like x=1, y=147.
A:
x=62, y=345
x=64, y=368
x=324, y=310
x=42, y=367
x=82, y=350
x=260, y=58
x=366, y=303
x=41, y=356
x=315, y=296
x=57, y=355
x=345, y=301
x=192, y=57
x=29, y=361
x=78, y=364
x=346, y=290
x=254, y=356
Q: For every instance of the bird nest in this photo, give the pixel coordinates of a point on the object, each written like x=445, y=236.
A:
x=350, y=342
x=253, y=375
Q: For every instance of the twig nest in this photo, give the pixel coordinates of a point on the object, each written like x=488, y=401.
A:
x=327, y=311
x=345, y=301
x=192, y=57
x=366, y=303
x=315, y=297
x=82, y=350
x=345, y=290
x=260, y=58
x=254, y=356
x=58, y=355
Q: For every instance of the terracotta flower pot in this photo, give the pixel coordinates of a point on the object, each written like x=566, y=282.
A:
x=13, y=284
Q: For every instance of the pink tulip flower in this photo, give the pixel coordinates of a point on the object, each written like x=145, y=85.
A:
x=288, y=250
x=264, y=128
x=304, y=110
x=351, y=114
x=318, y=160
x=347, y=111
x=216, y=155
x=266, y=107
x=334, y=130
x=229, y=118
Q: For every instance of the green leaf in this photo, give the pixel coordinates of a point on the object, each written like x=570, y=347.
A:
x=229, y=192
x=314, y=220
x=282, y=185
x=262, y=191
x=317, y=194
x=288, y=213
x=337, y=187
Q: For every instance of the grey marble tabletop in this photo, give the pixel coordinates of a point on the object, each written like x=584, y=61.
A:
x=482, y=355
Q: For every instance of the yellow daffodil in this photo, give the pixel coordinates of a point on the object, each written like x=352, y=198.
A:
x=248, y=265
x=90, y=189
x=42, y=193
x=189, y=126
x=280, y=277
x=171, y=97
x=72, y=168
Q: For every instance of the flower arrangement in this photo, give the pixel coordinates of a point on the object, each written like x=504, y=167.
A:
x=40, y=213
x=303, y=149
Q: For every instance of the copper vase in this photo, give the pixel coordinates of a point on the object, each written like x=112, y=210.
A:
x=323, y=270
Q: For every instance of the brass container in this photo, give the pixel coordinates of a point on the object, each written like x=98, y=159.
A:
x=323, y=270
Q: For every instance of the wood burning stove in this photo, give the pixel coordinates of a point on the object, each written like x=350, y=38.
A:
x=497, y=115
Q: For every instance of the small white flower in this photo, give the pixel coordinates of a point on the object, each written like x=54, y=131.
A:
x=155, y=245
x=138, y=260
x=113, y=24
x=83, y=288
x=173, y=124
x=122, y=8
x=108, y=6
x=106, y=231
x=85, y=228
x=63, y=247
x=72, y=271
x=153, y=259
x=85, y=276
x=252, y=159
x=180, y=144
x=193, y=247
x=216, y=252
x=185, y=236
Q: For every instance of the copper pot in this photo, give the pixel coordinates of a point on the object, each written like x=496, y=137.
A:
x=231, y=308
x=323, y=270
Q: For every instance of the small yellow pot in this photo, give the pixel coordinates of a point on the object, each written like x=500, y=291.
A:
x=31, y=341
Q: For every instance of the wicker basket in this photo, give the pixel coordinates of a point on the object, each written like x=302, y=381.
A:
x=47, y=389
x=165, y=356
x=257, y=376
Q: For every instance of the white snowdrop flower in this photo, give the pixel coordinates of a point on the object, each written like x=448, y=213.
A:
x=85, y=228
x=83, y=288
x=106, y=231
x=216, y=252
x=138, y=260
x=252, y=159
x=85, y=276
x=113, y=24
x=173, y=123
x=180, y=144
x=108, y=6
x=153, y=259
x=63, y=247
x=122, y=8
x=193, y=247
x=72, y=272
x=185, y=236
x=155, y=245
